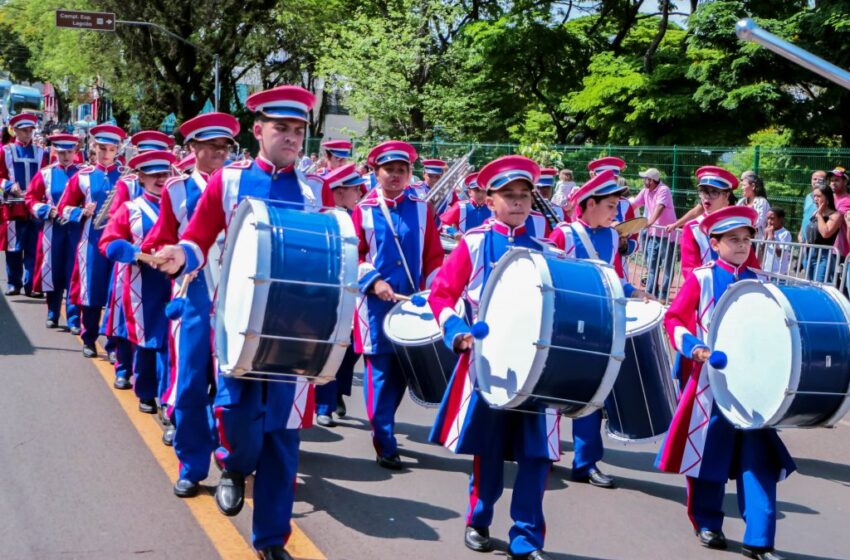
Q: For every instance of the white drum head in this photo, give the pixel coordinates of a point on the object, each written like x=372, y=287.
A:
x=409, y=325
x=519, y=314
x=642, y=316
x=750, y=325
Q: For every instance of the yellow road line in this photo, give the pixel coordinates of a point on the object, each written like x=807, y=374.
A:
x=226, y=539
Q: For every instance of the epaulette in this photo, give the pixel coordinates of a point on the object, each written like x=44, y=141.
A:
x=131, y=177
x=483, y=228
x=172, y=180
x=87, y=169
x=241, y=164
x=373, y=201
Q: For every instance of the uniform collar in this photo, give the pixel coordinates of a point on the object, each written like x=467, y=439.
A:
x=105, y=169
x=150, y=197
x=731, y=268
x=268, y=167
x=68, y=167
x=393, y=202
x=21, y=144
x=504, y=229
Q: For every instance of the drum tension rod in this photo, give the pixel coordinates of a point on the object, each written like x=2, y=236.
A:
x=817, y=393
x=263, y=280
x=565, y=401
x=270, y=376
x=793, y=322
x=617, y=300
x=268, y=227
x=544, y=344
x=254, y=334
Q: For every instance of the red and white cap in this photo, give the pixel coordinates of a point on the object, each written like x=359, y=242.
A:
x=148, y=140
x=612, y=163
x=471, y=181
x=283, y=102
x=391, y=150
x=108, y=134
x=153, y=161
x=339, y=148
x=729, y=218
x=434, y=166
x=186, y=165
x=345, y=176
x=547, y=177
x=210, y=126
x=716, y=177
x=502, y=171
x=23, y=120
x=64, y=142
x=603, y=184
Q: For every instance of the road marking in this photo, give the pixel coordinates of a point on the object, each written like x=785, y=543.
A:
x=226, y=539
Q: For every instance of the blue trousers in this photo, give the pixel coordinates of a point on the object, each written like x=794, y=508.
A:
x=125, y=355
x=20, y=265
x=326, y=395
x=383, y=390
x=149, y=365
x=90, y=319
x=660, y=254
x=54, y=307
x=247, y=447
x=486, y=485
x=587, y=443
x=756, y=486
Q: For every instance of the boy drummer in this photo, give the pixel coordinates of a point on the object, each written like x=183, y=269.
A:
x=701, y=443
x=465, y=423
x=592, y=237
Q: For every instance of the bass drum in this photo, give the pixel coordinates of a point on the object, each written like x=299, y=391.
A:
x=212, y=270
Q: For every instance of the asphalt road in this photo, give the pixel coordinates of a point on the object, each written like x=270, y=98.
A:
x=79, y=482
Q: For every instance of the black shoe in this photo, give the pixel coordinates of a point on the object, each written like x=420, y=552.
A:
x=393, y=462
x=75, y=330
x=148, y=407
x=51, y=324
x=325, y=421
x=168, y=436
x=186, y=488
x=760, y=553
x=12, y=291
x=533, y=555
x=712, y=539
x=477, y=539
x=112, y=357
x=122, y=384
x=340, y=406
x=230, y=493
x=35, y=295
x=89, y=351
x=595, y=477
x=276, y=552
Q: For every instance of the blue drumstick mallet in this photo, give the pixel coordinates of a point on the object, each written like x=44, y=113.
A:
x=418, y=300
x=174, y=309
x=479, y=330
x=718, y=359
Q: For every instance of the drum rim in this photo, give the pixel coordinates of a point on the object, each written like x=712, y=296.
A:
x=436, y=338
x=844, y=408
x=774, y=293
x=649, y=326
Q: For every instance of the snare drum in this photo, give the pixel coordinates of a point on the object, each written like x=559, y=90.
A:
x=286, y=294
x=788, y=350
x=15, y=209
x=418, y=342
x=641, y=405
x=557, y=333
x=448, y=242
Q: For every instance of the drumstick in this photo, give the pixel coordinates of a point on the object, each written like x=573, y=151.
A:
x=150, y=259
x=415, y=299
x=175, y=307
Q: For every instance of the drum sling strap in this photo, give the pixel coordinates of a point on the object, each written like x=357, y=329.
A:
x=578, y=227
x=387, y=216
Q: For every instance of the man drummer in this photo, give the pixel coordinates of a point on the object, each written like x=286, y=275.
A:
x=345, y=183
x=701, y=443
x=58, y=243
x=400, y=251
x=19, y=164
x=465, y=423
x=592, y=237
x=465, y=215
x=210, y=136
x=257, y=421
x=83, y=199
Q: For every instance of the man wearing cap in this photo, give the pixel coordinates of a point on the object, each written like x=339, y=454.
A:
x=465, y=215
x=345, y=183
x=58, y=241
x=337, y=154
x=19, y=164
x=701, y=443
x=400, y=251
x=838, y=183
x=658, y=200
x=465, y=423
x=83, y=198
x=210, y=137
x=257, y=421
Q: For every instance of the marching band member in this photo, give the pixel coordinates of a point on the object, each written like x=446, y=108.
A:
x=137, y=316
x=210, y=137
x=592, y=237
x=129, y=186
x=257, y=421
x=465, y=423
x=400, y=251
x=20, y=163
x=465, y=215
x=337, y=154
x=715, y=186
x=433, y=169
x=84, y=196
x=58, y=241
x=702, y=444
x=545, y=184
x=624, y=208
x=186, y=165
x=345, y=183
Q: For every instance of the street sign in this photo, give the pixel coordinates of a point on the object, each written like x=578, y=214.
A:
x=95, y=21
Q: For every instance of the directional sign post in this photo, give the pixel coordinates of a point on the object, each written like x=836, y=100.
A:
x=95, y=21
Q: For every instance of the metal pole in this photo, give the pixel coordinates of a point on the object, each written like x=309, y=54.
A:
x=217, y=92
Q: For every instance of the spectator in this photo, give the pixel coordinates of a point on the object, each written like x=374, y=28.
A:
x=304, y=162
x=776, y=257
x=564, y=187
x=822, y=232
x=754, y=196
x=818, y=179
x=838, y=183
x=658, y=200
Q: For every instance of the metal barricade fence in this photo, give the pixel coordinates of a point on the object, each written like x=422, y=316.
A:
x=801, y=261
x=657, y=264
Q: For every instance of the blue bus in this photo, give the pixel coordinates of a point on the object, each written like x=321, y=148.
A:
x=21, y=99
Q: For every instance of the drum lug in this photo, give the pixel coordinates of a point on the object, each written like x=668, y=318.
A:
x=619, y=356
x=789, y=322
x=621, y=301
x=250, y=334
